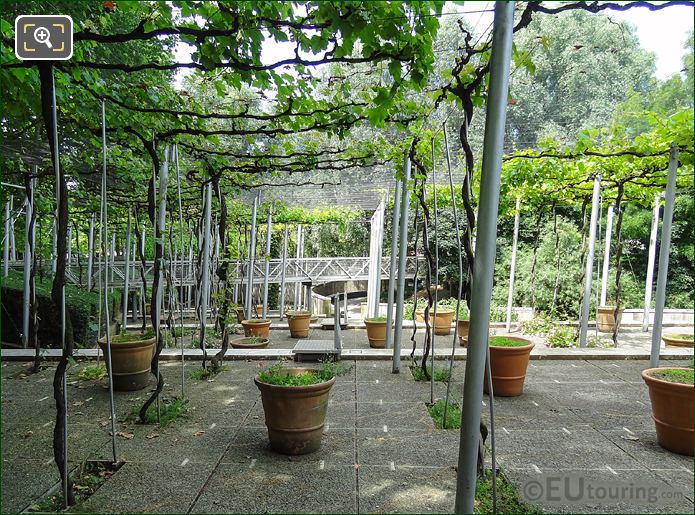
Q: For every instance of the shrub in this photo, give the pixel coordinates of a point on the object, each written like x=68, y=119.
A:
x=562, y=336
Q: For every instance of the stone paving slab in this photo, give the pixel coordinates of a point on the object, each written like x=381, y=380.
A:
x=217, y=459
x=279, y=487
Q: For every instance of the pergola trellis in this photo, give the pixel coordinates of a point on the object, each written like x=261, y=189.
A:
x=487, y=214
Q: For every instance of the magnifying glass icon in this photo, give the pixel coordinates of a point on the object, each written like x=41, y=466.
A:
x=43, y=36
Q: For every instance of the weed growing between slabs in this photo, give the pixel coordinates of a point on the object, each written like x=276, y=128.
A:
x=170, y=411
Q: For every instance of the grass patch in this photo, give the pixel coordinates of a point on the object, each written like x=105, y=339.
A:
x=441, y=374
x=132, y=337
x=90, y=476
x=375, y=319
x=596, y=342
x=203, y=374
x=453, y=415
x=251, y=340
x=170, y=410
x=91, y=373
x=502, y=341
x=673, y=375
x=508, y=500
x=280, y=376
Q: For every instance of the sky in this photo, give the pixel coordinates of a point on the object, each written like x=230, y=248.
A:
x=662, y=32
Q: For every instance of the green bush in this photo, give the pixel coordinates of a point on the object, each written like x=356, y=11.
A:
x=82, y=308
x=561, y=336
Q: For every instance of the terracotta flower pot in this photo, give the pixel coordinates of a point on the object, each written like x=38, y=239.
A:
x=463, y=332
x=376, y=333
x=677, y=340
x=605, y=319
x=295, y=415
x=508, y=366
x=299, y=322
x=130, y=361
x=420, y=315
x=256, y=327
x=672, y=411
x=442, y=321
x=253, y=342
x=259, y=310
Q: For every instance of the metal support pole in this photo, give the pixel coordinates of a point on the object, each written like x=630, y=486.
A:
x=589, y=270
x=112, y=253
x=664, y=250
x=392, y=266
x=649, y=283
x=298, y=285
x=512, y=268
x=54, y=249
x=126, y=279
x=375, y=248
x=69, y=251
x=205, y=263
x=606, y=257
x=28, y=260
x=436, y=270
x=282, y=272
x=252, y=255
x=484, y=256
x=13, y=247
x=402, y=255
x=337, y=341
x=90, y=252
x=6, y=247
x=181, y=268
x=266, y=270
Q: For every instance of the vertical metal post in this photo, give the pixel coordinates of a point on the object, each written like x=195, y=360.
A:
x=664, y=250
x=181, y=268
x=69, y=251
x=266, y=270
x=649, y=283
x=205, y=263
x=402, y=256
x=436, y=270
x=102, y=237
x=282, y=272
x=589, y=269
x=512, y=268
x=484, y=256
x=126, y=269
x=112, y=253
x=606, y=257
x=6, y=247
x=392, y=266
x=252, y=255
x=298, y=285
x=54, y=249
x=375, y=249
x=337, y=342
x=28, y=260
x=13, y=247
x=90, y=252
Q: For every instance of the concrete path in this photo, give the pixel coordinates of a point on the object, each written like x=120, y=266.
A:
x=380, y=454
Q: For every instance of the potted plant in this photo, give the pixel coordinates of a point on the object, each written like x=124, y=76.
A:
x=442, y=320
x=240, y=314
x=252, y=342
x=376, y=331
x=509, y=357
x=671, y=393
x=605, y=318
x=256, y=327
x=259, y=310
x=463, y=323
x=295, y=401
x=299, y=322
x=131, y=354
x=677, y=340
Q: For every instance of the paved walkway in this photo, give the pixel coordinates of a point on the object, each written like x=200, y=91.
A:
x=381, y=452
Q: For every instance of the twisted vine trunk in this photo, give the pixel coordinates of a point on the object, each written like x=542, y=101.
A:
x=618, y=265
x=32, y=337
x=466, y=197
x=158, y=256
x=223, y=275
x=59, y=450
x=143, y=264
x=536, y=238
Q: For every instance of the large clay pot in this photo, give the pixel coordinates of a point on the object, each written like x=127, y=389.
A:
x=130, y=361
x=256, y=327
x=463, y=332
x=376, y=333
x=295, y=415
x=252, y=342
x=299, y=322
x=259, y=310
x=677, y=340
x=672, y=411
x=605, y=319
x=442, y=321
x=508, y=366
